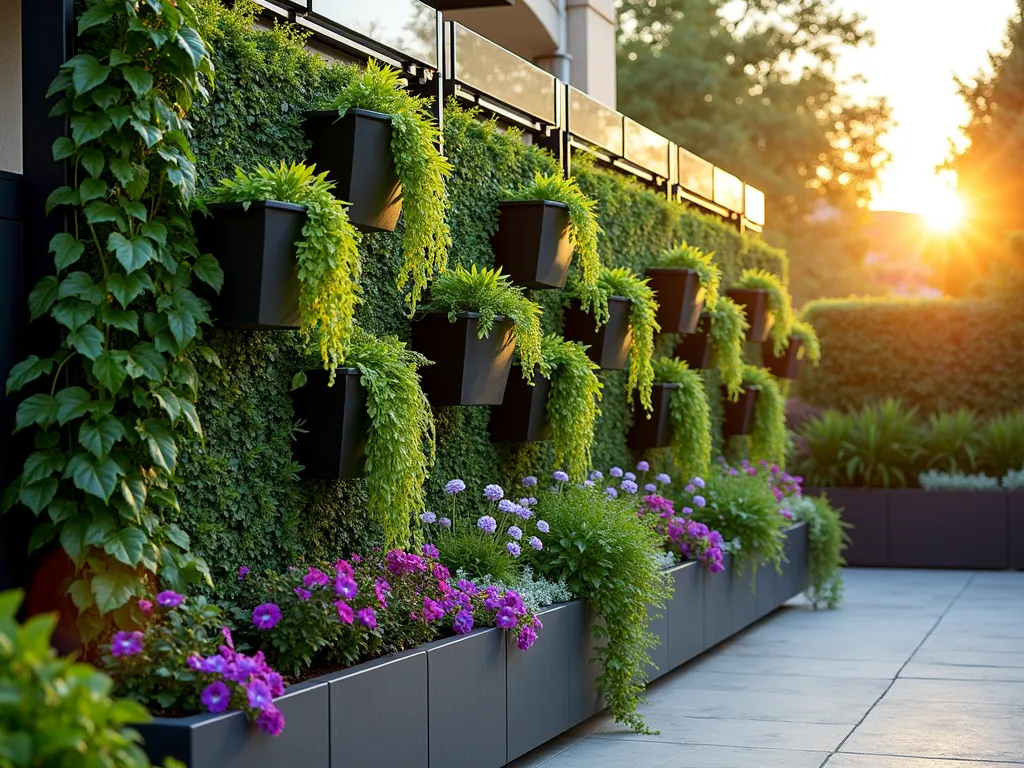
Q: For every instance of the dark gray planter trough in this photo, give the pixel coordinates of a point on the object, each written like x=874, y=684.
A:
x=1015, y=512
x=867, y=510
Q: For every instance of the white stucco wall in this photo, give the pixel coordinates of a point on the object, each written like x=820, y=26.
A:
x=10, y=86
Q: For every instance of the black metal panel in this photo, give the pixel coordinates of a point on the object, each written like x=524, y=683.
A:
x=467, y=700
x=537, y=681
x=686, y=613
x=229, y=741
x=379, y=714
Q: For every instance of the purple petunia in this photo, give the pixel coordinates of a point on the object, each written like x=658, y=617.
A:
x=662, y=478
x=315, y=578
x=216, y=697
x=454, y=486
x=270, y=721
x=615, y=472
x=170, y=599
x=699, y=501
x=243, y=572
x=643, y=466
x=506, y=618
x=536, y=543
x=146, y=606
x=266, y=616
x=515, y=532
x=467, y=586
x=628, y=486
x=368, y=617
x=529, y=481
x=463, y=623
x=561, y=476
x=513, y=549
x=215, y=664
x=487, y=524
x=429, y=550
x=493, y=492
x=445, y=522
x=258, y=693
x=543, y=526
x=303, y=594
x=432, y=610
x=344, y=611
x=382, y=589
x=428, y=517
x=527, y=637
x=609, y=491
x=345, y=586
x=126, y=644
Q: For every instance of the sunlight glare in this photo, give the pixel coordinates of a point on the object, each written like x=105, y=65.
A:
x=945, y=210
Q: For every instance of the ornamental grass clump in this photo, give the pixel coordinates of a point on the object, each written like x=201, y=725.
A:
x=583, y=227
x=779, y=304
x=491, y=293
x=488, y=545
x=605, y=553
x=422, y=170
x=572, y=403
x=690, y=257
x=327, y=254
x=643, y=309
x=183, y=660
x=727, y=329
x=690, y=415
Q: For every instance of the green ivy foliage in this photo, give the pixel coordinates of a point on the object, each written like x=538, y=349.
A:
x=935, y=354
x=811, y=345
x=767, y=440
x=690, y=414
x=327, y=254
x=827, y=538
x=108, y=428
x=572, y=404
x=779, y=305
x=728, y=329
x=690, y=257
x=420, y=168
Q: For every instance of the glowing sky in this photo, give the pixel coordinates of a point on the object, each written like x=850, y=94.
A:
x=920, y=45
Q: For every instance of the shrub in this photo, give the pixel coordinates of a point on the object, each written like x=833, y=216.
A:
x=690, y=257
x=583, y=227
x=572, y=403
x=778, y=304
x=821, y=456
x=883, y=445
x=55, y=711
x=604, y=553
x=327, y=256
x=933, y=480
x=420, y=168
x=826, y=541
x=690, y=415
x=728, y=328
x=491, y=293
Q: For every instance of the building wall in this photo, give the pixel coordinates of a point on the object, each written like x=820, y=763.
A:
x=10, y=86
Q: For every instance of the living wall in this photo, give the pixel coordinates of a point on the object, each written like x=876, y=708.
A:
x=937, y=354
x=243, y=497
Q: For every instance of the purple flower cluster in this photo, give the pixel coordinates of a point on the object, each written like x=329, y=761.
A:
x=693, y=540
x=782, y=484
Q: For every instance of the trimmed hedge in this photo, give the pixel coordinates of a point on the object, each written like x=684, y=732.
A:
x=936, y=354
x=241, y=498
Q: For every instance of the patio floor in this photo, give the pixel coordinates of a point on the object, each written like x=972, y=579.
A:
x=917, y=669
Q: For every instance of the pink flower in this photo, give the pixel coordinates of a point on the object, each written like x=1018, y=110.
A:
x=344, y=611
x=146, y=606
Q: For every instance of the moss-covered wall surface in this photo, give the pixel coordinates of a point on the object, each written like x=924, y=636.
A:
x=243, y=496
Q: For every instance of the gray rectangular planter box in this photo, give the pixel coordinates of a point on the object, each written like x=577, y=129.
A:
x=686, y=613
x=537, y=681
x=227, y=740
x=795, y=576
x=1015, y=512
x=718, y=604
x=584, y=701
x=743, y=595
x=867, y=510
x=378, y=713
x=948, y=529
x=466, y=700
x=659, y=628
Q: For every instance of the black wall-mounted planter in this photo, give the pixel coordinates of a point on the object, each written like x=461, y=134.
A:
x=739, y=415
x=754, y=303
x=355, y=150
x=522, y=416
x=532, y=242
x=657, y=431
x=609, y=344
x=256, y=250
x=695, y=349
x=788, y=365
x=680, y=298
x=467, y=370
x=227, y=740
x=333, y=444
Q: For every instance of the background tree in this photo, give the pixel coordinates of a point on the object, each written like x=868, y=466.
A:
x=753, y=87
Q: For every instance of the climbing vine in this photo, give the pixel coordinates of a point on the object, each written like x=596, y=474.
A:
x=119, y=393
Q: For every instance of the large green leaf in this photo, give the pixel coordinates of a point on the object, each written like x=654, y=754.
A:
x=208, y=270
x=29, y=369
x=61, y=196
x=113, y=589
x=125, y=288
x=81, y=594
x=97, y=477
x=109, y=368
x=41, y=464
x=126, y=545
x=92, y=189
x=122, y=169
x=38, y=409
x=73, y=403
x=162, y=444
x=133, y=489
x=125, y=319
x=43, y=534
x=178, y=536
x=73, y=313
x=188, y=410
x=66, y=250
x=99, y=433
x=86, y=72
x=92, y=158
x=63, y=148
x=93, y=17
x=133, y=254
x=80, y=285
x=139, y=79
x=72, y=538
x=88, y=340
x=89, y=127
x=169, y=402
x=43, y=296
x=153, y=363
x=38, y=495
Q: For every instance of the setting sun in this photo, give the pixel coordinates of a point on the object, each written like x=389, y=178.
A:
x=944, y=211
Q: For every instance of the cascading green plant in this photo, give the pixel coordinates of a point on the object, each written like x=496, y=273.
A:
x=690, y=257
x=400, y=444
x=811, y=345
x=107, y=429
x=327, y=254
x=690, y=414
x=826, y=539
x=643, y=309
x=583, y=227
x=767, y=439
x=572, y=403
x=728, y=328
x=491, y=293
x=420, y=167
x=779, y=304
